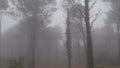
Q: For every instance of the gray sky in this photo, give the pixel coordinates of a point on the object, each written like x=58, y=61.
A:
x=59, y=17
x=7, y=23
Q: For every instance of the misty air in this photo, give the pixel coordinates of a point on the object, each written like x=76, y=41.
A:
x=59, y=34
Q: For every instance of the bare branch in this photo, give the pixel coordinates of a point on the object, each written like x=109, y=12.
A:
x=92, y=5
x=82, y=13
x=72, y=3
x=83, y=33
x=96, y=17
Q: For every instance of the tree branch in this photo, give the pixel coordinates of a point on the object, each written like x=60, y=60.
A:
x=92, y=5
x=96, y=17
x=72, y=3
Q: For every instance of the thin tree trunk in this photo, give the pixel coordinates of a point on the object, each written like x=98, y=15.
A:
x=33, y=43
x=68, y=39
x=57, y=59
x=79, y=51
x=0, y=22
x=83, y=34
x=48, y=56
x=90, y=60
x=0, y=33
x=118, y=39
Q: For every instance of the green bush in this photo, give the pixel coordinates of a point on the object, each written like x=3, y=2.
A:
x=16, y=63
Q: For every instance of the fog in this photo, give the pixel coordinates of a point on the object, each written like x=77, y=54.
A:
x=59, y=34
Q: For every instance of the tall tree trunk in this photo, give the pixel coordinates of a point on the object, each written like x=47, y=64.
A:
x=33, y=42
x=79, y=51
x=0, y=22
x=118, y=31
x=48, y=55
x=57, y=53
x=0, y=33
x=118, y=39
x=68, y=39
x=89, y=49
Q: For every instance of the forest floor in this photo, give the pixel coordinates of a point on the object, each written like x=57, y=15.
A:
x=76, y=66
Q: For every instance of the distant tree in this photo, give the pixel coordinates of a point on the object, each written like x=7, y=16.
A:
x=68, y=43
x=78, y=47
x=76, y=19
x=113, y=16
x=53, y=38
x=50, y=37
x=68, y=38
x=33, y=9
x=77, y=27
x=72, y=12
x=105, y=38
x=3, y=6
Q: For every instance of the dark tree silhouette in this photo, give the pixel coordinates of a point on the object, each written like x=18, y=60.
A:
x=89, y=45
x=68, y=39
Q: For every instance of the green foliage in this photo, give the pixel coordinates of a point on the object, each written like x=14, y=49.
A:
x=16, y=63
